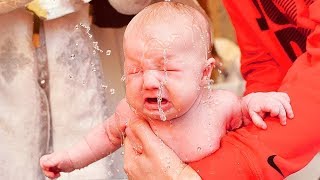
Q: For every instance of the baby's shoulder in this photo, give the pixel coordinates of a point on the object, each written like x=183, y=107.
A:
x=223, y=97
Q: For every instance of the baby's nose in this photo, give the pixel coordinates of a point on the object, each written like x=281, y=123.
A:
x=151, y=80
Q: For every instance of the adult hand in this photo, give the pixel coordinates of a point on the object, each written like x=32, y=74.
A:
x=147, y=157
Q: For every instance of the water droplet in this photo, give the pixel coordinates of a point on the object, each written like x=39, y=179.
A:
x=219, y=71
x=94, y=52
x=108, y=52
x=77, y=44
x=84, y=82
x=104, y=86
x=77, y=26
x=163, y=116
x=109, y=173
x=210, y=84
x=199, y=149
x=112, y=91
x=42, y=81
x=94, y=70
x=72, y=56
x=123, y=78
x=122, y=153
x=70, y=76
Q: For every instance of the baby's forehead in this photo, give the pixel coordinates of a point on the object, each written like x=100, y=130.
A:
x=165, y=34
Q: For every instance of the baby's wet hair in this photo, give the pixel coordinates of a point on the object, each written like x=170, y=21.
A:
x=165, y=12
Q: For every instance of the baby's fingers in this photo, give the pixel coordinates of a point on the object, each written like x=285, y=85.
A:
x=51, y=175
x=47, y=161
x=288, y=109
x=257, y=120
x=279, y=111
x=285, y=101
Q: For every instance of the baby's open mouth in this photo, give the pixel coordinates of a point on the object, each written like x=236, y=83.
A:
x=155, y=100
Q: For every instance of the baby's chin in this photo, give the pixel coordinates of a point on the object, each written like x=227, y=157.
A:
x=159, y=116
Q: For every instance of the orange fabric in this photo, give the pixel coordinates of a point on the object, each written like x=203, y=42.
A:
x=244, y=153
x=271, y=35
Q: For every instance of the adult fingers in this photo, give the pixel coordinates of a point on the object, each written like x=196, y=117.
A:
x=130, y=157
x=141, y=130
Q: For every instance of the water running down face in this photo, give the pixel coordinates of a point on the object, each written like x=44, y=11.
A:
x=165, y=60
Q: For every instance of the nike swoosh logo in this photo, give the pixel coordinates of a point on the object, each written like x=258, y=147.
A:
x=273, y=164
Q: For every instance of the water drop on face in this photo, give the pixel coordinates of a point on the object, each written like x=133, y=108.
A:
x=112, y=91
x=108, y=52
x=94, y=70
x=72, y=56
x=94, y=52
x=199, y=149
x=122, y=153
x=70, y=76
x=219, y=71
x=77, y=26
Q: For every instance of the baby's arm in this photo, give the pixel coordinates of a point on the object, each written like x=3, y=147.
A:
x=100, y=142
x=255, y=106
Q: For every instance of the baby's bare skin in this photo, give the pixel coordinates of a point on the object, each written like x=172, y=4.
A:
x=167, y=79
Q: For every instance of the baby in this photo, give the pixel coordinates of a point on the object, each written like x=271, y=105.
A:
x=167, y=67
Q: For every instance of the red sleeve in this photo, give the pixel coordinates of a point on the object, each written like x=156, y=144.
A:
x=258, y=68
x=252, y=153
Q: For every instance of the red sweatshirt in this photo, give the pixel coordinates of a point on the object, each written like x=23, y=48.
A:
x=270, y=38
x=270, y=44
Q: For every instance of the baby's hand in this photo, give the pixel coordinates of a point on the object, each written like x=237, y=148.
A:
x=256, y=105
x=53, y=164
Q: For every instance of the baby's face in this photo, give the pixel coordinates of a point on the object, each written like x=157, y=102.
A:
x=164, y=61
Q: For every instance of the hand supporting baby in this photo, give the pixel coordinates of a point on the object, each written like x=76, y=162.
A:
x=256, y=106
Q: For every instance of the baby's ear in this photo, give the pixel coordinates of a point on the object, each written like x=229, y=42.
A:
x=208, y=68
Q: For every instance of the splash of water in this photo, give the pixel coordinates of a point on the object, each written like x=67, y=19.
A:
x=162, y=84
x=159, y=100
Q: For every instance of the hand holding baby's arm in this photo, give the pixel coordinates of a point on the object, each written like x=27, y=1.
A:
x=257, y=105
